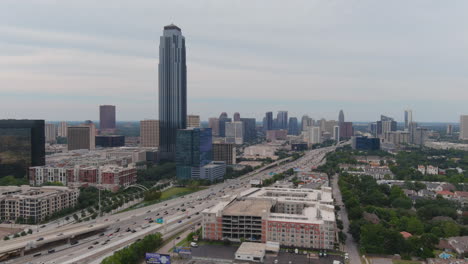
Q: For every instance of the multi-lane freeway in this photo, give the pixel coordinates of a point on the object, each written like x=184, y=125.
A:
x=124, y=228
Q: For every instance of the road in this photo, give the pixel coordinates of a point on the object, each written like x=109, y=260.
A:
x=350, y=245
x=96, y=247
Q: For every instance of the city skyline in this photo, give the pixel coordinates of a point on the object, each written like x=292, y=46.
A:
x=55, y=67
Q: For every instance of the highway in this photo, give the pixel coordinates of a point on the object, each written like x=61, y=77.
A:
x=179, y=214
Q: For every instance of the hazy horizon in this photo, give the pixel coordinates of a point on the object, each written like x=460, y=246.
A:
x=61, y=60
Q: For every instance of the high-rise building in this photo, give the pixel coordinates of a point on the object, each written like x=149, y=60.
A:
x=172, y=89
x=82, y=136
x=386, y=124
x=327, y=126
x=224, y=152
x=336, y=133
x=62, y=129
x=107, y=118
x=346, y=130
x=306, y=122
x=282, y=120
x=236, y=116
x=341, y=117
x=314, y=135
x=420, y=137
x=293, y=128
x=268, y=124
x=213, y=123
x=372, y=128
x=223, y=119
x=194, y=150
x=193, y=121
x=412, y=127
x=449, y=129
x=408, y=118
x=22, y=145
x=223, y=115
x=250, y=130
x=149, y=133
x=464, y=127
x=50, y=133
x=235, y=132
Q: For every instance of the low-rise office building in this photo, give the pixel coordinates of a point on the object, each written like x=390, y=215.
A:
x=34, y=204
x=301, y=218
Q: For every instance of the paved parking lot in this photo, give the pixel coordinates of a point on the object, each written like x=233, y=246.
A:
x=227, y=252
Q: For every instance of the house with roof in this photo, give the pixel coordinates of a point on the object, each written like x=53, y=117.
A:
x=446, y=194
x=405, y=234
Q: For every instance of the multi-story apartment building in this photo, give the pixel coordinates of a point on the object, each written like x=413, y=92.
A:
x=111, y=177
x=34, y=203
x=302, y=218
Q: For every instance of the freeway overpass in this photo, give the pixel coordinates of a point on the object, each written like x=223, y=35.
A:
x=19, y=246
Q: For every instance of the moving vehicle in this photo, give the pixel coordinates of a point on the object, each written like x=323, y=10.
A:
x=51, y=251
x=193, y=244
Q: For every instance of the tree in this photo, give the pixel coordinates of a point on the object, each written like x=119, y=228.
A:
x=30, y=231
x=415, y=226
x=450, y=229
x=6, y=238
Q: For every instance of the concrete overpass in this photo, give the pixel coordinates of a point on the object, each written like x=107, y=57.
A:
x=18, y=246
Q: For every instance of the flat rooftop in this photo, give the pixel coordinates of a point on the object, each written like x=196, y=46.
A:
x=252, y=249
x=248, y=207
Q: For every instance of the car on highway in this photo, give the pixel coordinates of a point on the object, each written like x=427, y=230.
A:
x=61, y=234
x=50, y=251
x=37, y=254
x=90, y=247
x=102, y=234
x=177, y=238
x=40, y=239
x=180, y=221
x=42, y=226
x=74, y=242
x=149, y=211
x=96, y=242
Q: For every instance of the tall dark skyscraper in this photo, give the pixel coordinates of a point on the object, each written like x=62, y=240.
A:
x=268, y=124
x=293, y=128
x=172, y=89
x=22, y=144
x=341, y=118
x=106, y=117
x=250, y=131
x=282, y=119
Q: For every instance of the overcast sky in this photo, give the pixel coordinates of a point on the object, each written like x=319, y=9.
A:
x=59, y=60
